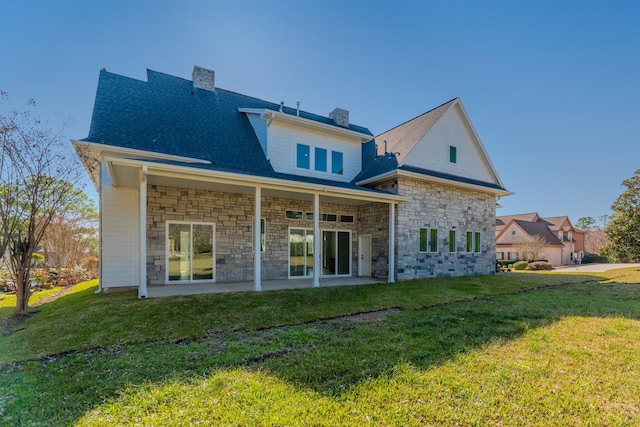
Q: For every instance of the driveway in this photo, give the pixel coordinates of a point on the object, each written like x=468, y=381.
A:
x=593, y=268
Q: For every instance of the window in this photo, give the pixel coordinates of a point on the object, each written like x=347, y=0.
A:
x=336, y=163
x=303, y=156
x=323, y=217
x=452, y=241
x=453, y=154
x=190, y=251
x=428, y=240
x=346, y=218
x=433, y=240
x=293, y=214
x=499, y=256
x=570, y=236
x=469, y=241
x=423, y=240
x=477, y=247
x=262, y=235
x=320, y=159
x=560, y=235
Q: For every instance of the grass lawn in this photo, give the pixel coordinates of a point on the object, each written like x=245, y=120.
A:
x=509, y=349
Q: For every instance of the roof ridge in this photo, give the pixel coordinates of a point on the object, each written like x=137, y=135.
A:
x=417, y=117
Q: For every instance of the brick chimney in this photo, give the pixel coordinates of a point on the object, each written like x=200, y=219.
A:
x=203, y=78
x=340, y=117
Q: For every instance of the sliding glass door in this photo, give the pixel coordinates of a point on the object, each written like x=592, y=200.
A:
x=336, y=252
x=189, y=252
x=300, y=252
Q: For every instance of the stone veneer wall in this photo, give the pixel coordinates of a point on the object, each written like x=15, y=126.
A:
x=233, y=216
x=445, y=208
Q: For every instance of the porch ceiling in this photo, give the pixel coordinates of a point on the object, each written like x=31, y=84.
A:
x=128, y=175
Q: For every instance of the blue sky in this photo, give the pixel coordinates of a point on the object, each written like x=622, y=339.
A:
x=552, y=87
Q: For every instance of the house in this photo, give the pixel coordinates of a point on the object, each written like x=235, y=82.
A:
x=198, y=184
x=562, y=243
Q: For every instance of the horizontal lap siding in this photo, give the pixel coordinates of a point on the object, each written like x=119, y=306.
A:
x=119, y=226
x=432, y=152
x=282, y=151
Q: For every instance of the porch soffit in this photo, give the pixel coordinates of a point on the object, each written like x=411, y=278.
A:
x=128, y=175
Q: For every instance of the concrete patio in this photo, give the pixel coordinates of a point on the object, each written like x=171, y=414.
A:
x=156, y=291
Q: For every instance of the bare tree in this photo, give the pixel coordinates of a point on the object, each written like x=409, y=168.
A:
x=70, y=238
x=38, y=178
x=530, y=248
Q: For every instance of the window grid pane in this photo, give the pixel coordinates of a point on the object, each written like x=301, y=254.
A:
x=320, y=159
x=452, y=240
x=303, y=156
x=423, y=240
x=433, y=240
x=336, y=163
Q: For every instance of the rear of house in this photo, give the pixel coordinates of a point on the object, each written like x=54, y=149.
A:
x=199, y=184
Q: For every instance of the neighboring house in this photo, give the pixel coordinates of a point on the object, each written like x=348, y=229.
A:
x=563, y=244
x=183, y=166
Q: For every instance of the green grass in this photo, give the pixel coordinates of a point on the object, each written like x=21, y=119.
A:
x=465, y=351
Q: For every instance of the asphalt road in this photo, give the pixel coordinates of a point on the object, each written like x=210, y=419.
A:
x=593, y=268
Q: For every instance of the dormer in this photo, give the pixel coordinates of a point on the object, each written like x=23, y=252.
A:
x=300, y=143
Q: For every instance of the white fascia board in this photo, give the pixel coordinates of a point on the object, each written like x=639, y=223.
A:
x=428, y=178
x=271, y=115
x=133, y=152
x=184, y=172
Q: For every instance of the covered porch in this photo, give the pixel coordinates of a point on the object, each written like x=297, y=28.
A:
x=158, y=291
x=234, y=209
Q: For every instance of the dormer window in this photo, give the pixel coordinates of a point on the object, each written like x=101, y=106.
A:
x=321, y=159
x=303, y=159
x=560, y=235
x=337, y=163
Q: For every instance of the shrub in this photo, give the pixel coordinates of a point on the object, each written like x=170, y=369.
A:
x=592, y=258
x=540, y=265
x=520, y=265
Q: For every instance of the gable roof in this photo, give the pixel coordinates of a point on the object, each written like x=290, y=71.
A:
x=168, y=115
x=503, y=220
x=394, y=147
x=539, y=229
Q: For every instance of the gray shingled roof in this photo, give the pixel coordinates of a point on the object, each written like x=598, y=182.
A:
x=166, y=114
x=402, y=138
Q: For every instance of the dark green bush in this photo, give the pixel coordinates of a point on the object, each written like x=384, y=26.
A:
x=540, y=265
x=520, y=265
x=594, y=258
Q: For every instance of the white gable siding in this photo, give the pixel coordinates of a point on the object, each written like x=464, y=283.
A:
x=283, y=140
x=432, y=152
x=260, y=128
x=119, y=235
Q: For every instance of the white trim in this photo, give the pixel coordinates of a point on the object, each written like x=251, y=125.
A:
x=166, y=252
x=422, y=177
x=136, y=152
x=142, y=232
x=271, y=115
x=184, y=172
x=317, y=238
x=392, y=243
x=257, y=241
